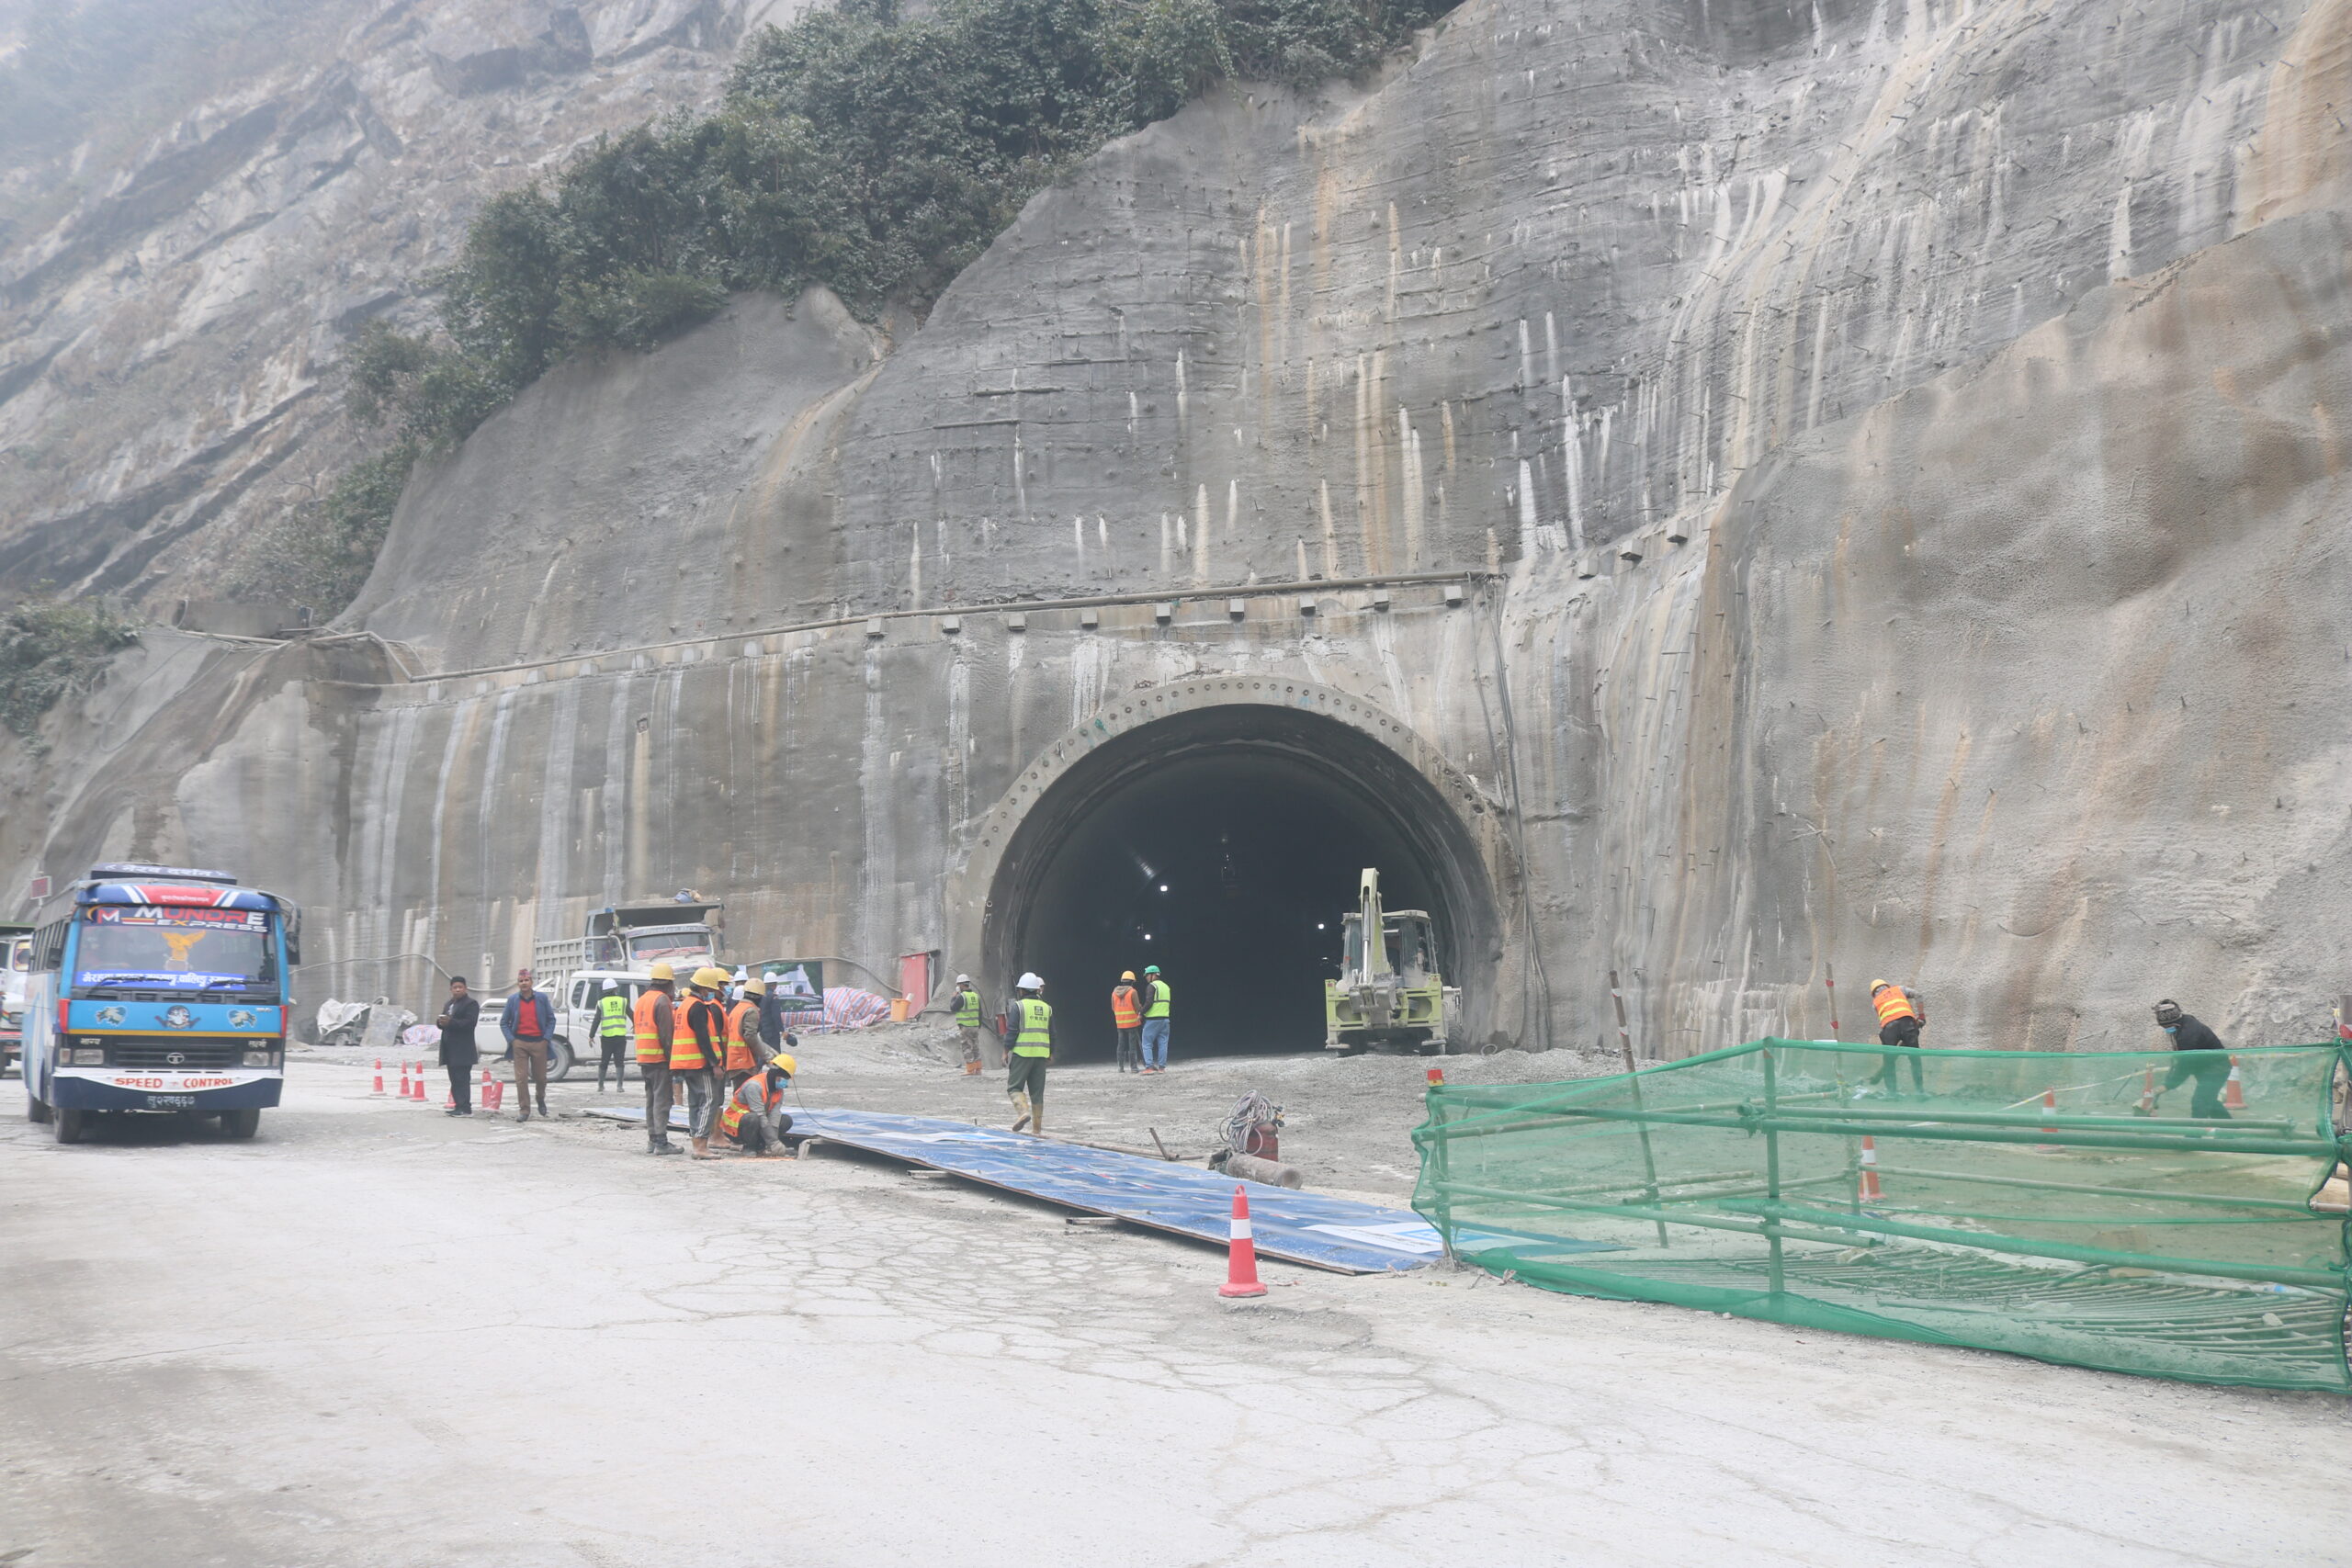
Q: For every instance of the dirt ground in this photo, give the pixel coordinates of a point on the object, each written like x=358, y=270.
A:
x=379, y=1336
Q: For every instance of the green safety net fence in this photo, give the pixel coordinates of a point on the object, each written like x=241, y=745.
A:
x=2066, y=1206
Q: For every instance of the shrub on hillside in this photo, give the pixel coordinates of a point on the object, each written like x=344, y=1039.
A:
x=49, y=647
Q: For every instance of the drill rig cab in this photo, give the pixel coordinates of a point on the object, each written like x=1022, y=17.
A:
x=1389, y=996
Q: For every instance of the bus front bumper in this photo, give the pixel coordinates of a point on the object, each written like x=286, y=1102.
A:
x=122, y=1088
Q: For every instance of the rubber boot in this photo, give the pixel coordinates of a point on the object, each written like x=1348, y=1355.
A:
x=1037, y=1119
x=1021, y=1110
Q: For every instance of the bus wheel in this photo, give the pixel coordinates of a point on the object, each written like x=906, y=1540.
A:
x=240, y=1123
x=36, y=1108
x=69, y=1124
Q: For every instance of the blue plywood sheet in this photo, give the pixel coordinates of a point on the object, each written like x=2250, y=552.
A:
x=1300, y=1227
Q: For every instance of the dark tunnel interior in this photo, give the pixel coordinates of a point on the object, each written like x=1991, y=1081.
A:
x=1225, y=846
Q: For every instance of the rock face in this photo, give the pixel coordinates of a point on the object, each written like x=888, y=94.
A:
x=171, y=325
x=1740, y=489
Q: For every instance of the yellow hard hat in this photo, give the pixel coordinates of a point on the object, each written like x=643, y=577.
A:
x=755, y=988
x=710, y=976
x=664, y=972
x=1126, y=974
x=789, y=1065
x=1877, y=986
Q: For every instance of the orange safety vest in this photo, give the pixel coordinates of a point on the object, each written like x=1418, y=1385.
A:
x=731, y=1119
x=685, y=1050
x=650, y=1047
x=739, y=1037
x=1126, y=1012
x=1892, y=1004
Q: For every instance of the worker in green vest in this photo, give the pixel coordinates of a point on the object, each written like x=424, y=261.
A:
x=967, y=1023
x=612, y=1034
x=1032, y=1048
x=1155, y=1021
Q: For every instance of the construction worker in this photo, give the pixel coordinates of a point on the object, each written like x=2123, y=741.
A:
x=612, y=1035
x=967, y=1023
x=1126, y=1017
x=655, y=1017
x=1032, y=1048
x=696, y=1051
x=1155, y=1021
x=1901, y=1016
x=754, y=1117
x=771, y=1013
x=743, y=1036
x=2208, y=1062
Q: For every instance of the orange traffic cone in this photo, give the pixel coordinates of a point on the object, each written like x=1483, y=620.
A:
x=379, y=1077
x=1867, y=1191
x=488, y=1098
x=2234, y=1093
x=1437, y=1078
x=403, y=1077
x=419, y=1095
x=2049, y=1107
x=1241, y=1257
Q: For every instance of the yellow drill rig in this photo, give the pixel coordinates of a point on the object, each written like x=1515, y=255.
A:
x=1389, y=995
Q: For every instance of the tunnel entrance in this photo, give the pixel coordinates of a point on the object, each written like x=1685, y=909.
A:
x=1223, y=844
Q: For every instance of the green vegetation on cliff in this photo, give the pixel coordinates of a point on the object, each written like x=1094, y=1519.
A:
x=873, y=155
x=51, y=647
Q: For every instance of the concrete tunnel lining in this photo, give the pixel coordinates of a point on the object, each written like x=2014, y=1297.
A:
x=1301, y=786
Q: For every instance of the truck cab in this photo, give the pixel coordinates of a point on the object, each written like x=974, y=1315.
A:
x=620, y=942
x=158, y=989
x=16, y=969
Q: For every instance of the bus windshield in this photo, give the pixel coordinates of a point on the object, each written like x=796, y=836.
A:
x=142, y=948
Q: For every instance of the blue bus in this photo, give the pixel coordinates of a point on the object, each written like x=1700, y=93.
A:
x=159, y=989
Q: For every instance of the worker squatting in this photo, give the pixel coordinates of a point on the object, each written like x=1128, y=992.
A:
x=708, y=1051
x=1141, y=1015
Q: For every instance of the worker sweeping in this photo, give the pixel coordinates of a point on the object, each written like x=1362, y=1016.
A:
x=754, y=1117
x=656, y=1019
x=1156, y=998
x=1032, y=1048
x=1126, y=1017
x=967, y=1023
x=1901, y=1016
x=743, y=1054
x=2199, y=1056
x=613, y=1031
x=695, y=1053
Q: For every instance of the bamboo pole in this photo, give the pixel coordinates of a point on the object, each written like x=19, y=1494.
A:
x=1625, y=1048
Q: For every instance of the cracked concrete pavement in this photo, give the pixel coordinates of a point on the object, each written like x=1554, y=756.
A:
x=379, y=1335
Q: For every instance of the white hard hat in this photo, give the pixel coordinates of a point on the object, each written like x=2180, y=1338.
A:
x=612, y=984
x=742, y=976
x=1029, y=981
x=963, y=979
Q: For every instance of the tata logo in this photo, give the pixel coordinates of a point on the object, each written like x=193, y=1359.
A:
x=174, y=1060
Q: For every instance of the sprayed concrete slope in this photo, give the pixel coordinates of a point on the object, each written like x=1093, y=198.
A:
x=1903, y=444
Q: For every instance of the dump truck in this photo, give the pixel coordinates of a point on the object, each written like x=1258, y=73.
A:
x=1389, y=995
x=620, y=942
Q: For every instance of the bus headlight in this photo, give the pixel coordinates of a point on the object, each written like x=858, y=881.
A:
x=86, y=1056
x=261, y=1058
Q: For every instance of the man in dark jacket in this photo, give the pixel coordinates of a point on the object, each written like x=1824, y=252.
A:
x=528, y=1024
x=2210, y=1066
x=457, y=1021
x=771, y=1014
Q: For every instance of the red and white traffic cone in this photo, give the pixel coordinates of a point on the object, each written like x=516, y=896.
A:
x=419, y=1083
x=2148, y=1106
x=2233, y=1091
x=1241, y=1254
x=489, y=1100
x=1867, y=1189
x=403, y=1077
x=2049, y=1107
x=1437, y=1078
x=379, y=1077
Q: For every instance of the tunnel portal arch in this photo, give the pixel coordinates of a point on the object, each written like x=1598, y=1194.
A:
x=1266, y=791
